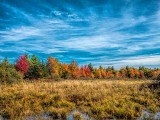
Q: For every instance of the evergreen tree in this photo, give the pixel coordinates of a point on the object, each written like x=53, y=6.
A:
x=44, y=69
x=128, y=71
x=34, y=70
x=91, y=67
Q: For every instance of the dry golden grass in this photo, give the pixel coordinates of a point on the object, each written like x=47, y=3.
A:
x=101, y=99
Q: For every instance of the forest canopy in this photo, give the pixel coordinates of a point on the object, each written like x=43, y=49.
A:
x=33, y=68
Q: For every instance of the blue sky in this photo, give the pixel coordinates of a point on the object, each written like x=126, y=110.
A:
x=103, y=32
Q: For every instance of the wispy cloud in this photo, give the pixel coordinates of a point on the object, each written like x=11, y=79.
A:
x=131, y=61
x=121, y=32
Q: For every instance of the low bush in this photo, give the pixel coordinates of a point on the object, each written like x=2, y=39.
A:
x=55, y=77
x=158, y=77
x=8, y=73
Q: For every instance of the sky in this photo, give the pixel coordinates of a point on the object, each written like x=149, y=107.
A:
x=102, y=32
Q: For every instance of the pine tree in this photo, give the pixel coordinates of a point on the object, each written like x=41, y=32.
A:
x=34, y=70
x=91, y=67
x=44, y=70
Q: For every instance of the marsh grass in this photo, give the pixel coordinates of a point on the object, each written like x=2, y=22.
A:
x=77, y=116
x=100, y=99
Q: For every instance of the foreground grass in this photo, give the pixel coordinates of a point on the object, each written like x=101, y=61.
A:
x=100, y=99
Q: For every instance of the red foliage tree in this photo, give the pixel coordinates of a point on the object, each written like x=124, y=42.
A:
x=87, y=71
x=22, y=65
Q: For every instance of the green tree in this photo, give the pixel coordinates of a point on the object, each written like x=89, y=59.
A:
x=34, y=70
x=44, y=70
x=91, y=67
x=128, y=71
x=8, y=73
x=145, y=71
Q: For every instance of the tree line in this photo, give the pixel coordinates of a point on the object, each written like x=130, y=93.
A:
x=32, y=68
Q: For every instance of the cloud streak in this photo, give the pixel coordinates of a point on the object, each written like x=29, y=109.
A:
x=121, y=31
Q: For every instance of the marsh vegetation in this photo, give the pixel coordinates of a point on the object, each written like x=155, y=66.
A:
x=99, y=99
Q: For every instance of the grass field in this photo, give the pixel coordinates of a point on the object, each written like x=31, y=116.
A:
x=100, y=99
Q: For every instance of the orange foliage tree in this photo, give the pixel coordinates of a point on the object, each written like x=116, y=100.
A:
x=73, y=69
x=53, y=66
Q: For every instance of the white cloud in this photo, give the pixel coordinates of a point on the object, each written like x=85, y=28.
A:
x=96, y=37
x=136, y=61
x=88, y=43
x=20, y=33
x=54, y=50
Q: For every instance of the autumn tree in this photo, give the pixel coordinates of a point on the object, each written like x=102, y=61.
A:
x=132, y=73
x=117, y=74
x=53, y=67
x=123, y=72
x=103, y=72
x=22, y=65
x=137, y=73
x=87, y=71
x=145, y=71
x=33, y=68
x=64, y=71
x=142, y=76
x=109, y=72
x=82, y=72
x=73, y=69
x=98, y=74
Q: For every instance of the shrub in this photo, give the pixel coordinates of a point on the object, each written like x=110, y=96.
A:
x=55, y=77
x=77, y=116
x=158, y=77
x=8, y=73
x=98, y=111
x=58, y=113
